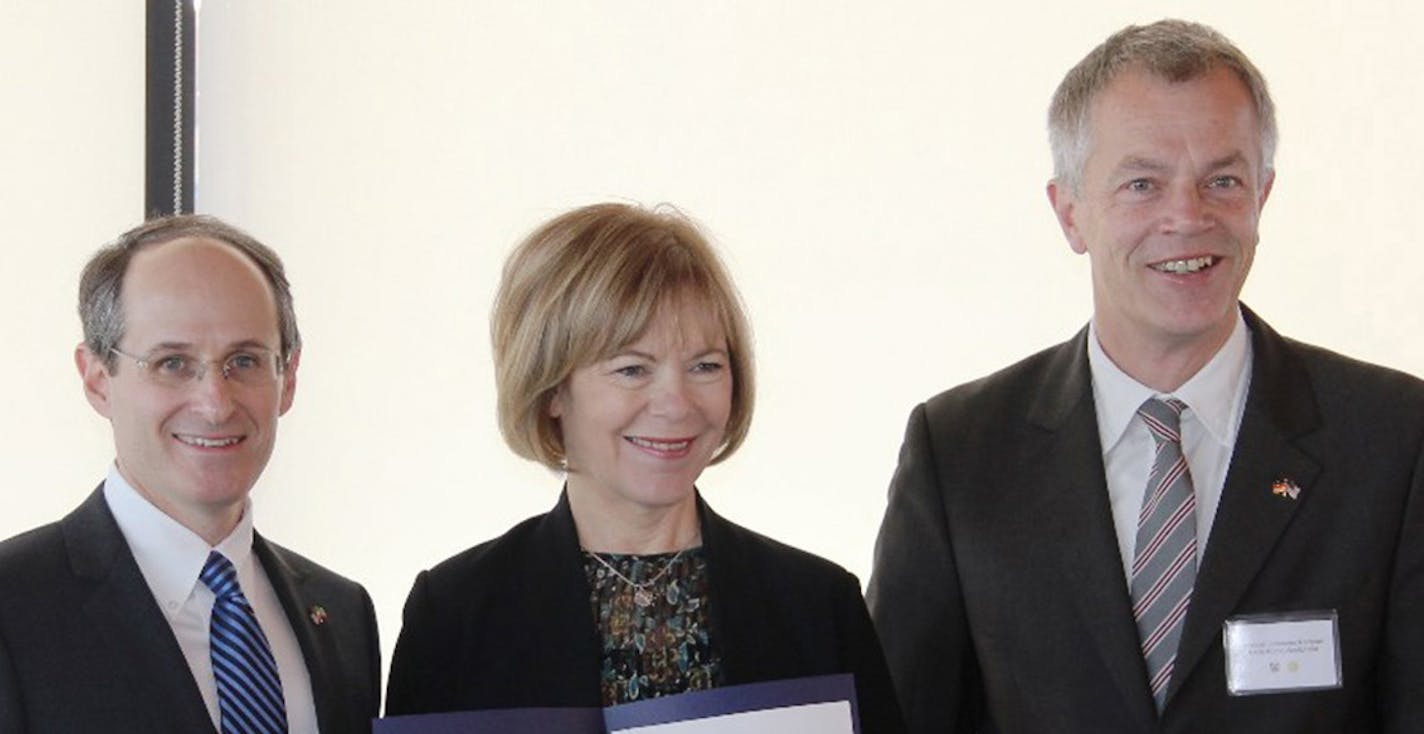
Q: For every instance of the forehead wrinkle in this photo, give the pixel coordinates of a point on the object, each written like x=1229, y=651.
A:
x=1136, y=163
x=1142, y=163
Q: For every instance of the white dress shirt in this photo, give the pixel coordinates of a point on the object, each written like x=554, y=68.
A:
x=1216, y=399
x=171, y=556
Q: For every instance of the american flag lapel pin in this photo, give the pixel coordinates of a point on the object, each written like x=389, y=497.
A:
x=1285, y=487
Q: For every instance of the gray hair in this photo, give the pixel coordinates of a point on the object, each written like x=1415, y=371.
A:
x=1174, y=50
x=101, y=285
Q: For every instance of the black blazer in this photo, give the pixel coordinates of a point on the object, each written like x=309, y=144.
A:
x=507, y=623
x=998, y=586
x=85, y=648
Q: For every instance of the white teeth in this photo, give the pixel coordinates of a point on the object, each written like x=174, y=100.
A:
x=659, y=445
x=1185, y=266
x=208, y=443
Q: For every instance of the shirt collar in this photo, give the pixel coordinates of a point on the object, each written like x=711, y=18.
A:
x=170, y=555
x=1213, y=393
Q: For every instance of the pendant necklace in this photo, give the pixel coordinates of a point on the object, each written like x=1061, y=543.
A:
x=642, y=595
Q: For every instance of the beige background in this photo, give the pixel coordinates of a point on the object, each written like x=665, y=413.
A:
x=872, y=172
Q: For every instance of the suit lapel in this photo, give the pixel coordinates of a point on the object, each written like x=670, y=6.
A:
x=736, y=619
x=1280, y=407
x=1063, y=464
x=317, y=652
x=122, y=612
x=568, y=646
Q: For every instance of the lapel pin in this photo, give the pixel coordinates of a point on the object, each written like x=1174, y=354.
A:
x=317, y=614
x=1285, y=487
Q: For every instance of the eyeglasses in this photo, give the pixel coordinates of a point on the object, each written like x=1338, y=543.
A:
x=253, y=367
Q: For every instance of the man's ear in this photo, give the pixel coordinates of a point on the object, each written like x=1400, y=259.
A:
x=289, y=382
x=1063, y=200
x=1266, y=190
x=95, y=376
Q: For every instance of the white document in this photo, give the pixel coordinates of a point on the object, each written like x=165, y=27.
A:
x=832, y=717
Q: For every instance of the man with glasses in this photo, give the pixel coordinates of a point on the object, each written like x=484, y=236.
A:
x=155, y=606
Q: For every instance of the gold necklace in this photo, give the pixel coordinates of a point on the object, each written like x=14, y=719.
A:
x=642, y=596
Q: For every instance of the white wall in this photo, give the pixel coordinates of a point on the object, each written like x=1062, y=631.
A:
x=872, y=172
x=71, y=177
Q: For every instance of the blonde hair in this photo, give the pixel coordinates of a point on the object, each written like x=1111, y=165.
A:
x=588, y=283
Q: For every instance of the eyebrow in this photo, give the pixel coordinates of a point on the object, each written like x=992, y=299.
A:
x=1227, y=161
x=1138, y=163
x=644, y=355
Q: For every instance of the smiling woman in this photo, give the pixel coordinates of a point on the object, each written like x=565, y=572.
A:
x=639, y=427
x=623, y=360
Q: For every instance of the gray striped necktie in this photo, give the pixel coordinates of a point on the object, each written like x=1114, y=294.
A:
x=1164, y=566
x=249, y=689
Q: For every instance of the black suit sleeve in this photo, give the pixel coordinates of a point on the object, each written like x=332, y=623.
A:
x=373, y=645
x=12, y=711
x=1402, y=670
x=874, y=691
x=418, y=675
x=914, y=596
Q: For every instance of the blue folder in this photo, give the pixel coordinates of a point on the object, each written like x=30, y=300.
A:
x=666, y=710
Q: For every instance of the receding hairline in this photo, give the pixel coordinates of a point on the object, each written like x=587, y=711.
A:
x=146, y=252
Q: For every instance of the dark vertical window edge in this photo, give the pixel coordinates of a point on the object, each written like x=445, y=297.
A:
x=168, y=115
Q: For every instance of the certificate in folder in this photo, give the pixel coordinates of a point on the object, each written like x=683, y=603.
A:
x=819, y=705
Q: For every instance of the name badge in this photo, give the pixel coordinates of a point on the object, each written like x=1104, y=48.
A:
x=1281, y=653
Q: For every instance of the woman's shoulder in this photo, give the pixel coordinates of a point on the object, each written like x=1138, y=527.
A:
x=492, y=558
x=740, y=546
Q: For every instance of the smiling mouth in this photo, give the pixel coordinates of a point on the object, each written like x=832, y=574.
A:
x=209, y=443
x=1186, y=266
x=663, y=447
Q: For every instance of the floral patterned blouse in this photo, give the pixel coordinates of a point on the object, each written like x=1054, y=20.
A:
x=656, y=639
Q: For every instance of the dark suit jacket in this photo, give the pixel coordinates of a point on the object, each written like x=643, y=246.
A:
x=507, y=624
x=85, y=648
x=998, y=586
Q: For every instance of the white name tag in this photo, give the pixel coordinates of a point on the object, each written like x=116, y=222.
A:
x=1280, y=653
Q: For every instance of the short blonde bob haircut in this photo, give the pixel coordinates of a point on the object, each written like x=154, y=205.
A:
x=588, y=283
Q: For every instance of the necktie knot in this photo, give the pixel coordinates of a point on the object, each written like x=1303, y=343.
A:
x=220, y=576
x=1163, y=418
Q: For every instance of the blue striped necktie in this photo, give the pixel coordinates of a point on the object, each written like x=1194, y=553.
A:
x=249, y=690
x=1164, y=565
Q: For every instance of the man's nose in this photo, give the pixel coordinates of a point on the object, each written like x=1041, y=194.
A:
x=212, y=393
x=1187, y=211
